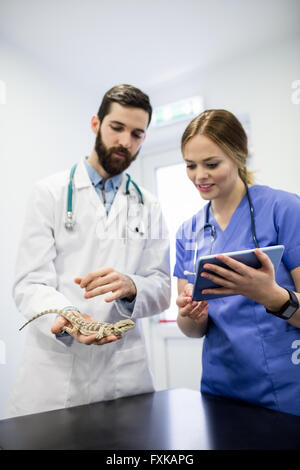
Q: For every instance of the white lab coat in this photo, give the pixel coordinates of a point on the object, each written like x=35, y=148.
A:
x=54, y=373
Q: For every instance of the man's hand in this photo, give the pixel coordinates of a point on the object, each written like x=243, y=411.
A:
x=107, y=280
x=91, y=339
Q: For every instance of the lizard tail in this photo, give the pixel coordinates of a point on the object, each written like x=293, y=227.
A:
x=39, y=315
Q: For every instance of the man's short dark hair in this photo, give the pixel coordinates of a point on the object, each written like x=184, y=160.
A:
x=125, y=95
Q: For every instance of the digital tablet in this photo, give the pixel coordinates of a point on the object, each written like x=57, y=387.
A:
x=247, y=257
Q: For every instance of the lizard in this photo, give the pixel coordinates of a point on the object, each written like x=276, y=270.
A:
x=102, y=329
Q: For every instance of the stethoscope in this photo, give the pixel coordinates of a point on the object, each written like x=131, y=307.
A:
x=70, y=220
x=213, y=231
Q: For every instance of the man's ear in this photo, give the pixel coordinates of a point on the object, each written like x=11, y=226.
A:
x=95, y=124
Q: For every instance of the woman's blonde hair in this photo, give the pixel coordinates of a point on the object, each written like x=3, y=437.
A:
x=225, y=130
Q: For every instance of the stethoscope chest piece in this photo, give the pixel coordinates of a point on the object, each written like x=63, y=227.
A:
x=69, y=222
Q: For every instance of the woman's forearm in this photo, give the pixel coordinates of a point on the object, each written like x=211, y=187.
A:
x=190, y=328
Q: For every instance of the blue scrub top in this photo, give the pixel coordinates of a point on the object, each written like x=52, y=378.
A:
x=249, y=354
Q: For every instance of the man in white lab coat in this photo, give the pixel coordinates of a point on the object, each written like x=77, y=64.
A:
x=111, y=262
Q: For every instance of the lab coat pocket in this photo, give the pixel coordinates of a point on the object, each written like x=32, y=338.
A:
x=43, y=381
x=282, y=353
x=132, y=374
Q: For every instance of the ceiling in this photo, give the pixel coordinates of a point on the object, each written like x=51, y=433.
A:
x=97, y=43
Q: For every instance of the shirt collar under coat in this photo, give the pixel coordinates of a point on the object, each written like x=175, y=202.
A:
x=112, y=183
x=84, y=178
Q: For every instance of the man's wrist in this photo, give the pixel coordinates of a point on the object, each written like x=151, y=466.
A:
x=132, y=295
x=129, y=298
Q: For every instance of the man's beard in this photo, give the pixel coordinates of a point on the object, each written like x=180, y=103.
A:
x=111, y=164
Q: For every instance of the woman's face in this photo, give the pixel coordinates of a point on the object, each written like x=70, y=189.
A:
x=210, y=169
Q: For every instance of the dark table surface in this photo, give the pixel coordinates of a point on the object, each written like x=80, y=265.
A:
x=177, y=419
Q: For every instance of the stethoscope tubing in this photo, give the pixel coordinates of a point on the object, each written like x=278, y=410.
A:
x=69, y=222
x=251, y=209
x=212, y=228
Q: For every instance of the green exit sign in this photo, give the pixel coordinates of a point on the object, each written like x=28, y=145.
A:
x=178, y=111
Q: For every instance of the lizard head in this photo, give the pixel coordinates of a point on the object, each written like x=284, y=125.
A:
x=123, y=325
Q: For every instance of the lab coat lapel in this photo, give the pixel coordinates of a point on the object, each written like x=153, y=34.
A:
x=119, y=204
x=81, y=181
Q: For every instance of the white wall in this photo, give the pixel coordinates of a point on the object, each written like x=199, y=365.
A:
x=259, y=84
x=45, y=127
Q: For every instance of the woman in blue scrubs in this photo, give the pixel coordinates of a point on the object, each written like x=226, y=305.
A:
x=251, y=349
